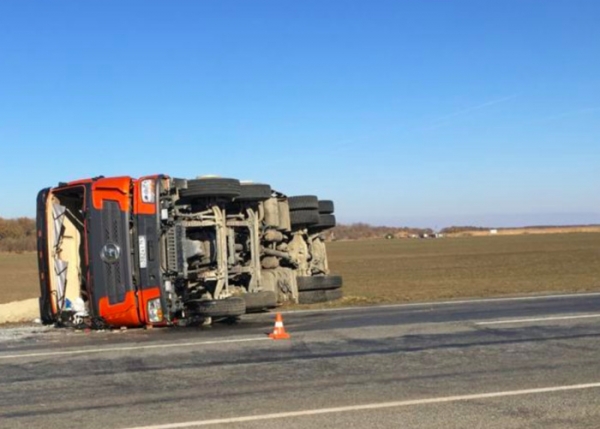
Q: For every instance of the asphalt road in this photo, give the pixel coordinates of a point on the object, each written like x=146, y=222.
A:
x=524, y=363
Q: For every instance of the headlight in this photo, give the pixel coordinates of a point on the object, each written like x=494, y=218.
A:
x=148, y=191
x=155, y=313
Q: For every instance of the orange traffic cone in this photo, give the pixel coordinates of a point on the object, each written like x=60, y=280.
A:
x=279, y=331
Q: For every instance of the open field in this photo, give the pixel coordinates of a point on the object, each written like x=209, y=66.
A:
x=421, y=270
x=378, y=271
x=18, y=276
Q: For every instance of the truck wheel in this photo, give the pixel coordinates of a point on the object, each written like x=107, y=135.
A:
x=326, y=207
x=326, y=221
x=301, y=218
x=303, y=202
x=228, y=307
x=212, y=187
x=254, y=192
x=319, y=283
x=260, y=301
x=316, y=296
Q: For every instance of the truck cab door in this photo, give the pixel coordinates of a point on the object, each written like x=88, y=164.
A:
x=47, y=310
x=147, y=219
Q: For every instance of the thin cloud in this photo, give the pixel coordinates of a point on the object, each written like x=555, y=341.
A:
x=569, y=113
x=445, y=120
x=439, y=122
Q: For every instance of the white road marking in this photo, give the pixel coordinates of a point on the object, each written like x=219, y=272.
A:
x=130, y=348
x=368, y=407
x=442, y=303
x=539, y=319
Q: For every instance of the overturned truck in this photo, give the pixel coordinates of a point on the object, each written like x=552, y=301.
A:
x=125, y=252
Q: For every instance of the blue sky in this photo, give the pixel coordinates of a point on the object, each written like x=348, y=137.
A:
x=426, y=113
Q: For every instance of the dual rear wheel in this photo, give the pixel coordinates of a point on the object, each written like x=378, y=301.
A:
x=318, y=289
x=307, y=211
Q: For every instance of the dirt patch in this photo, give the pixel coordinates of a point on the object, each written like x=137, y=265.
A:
x=19, y=311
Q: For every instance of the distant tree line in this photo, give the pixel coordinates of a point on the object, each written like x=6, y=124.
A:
x=362, y=231
x=17, y=235
x=457, y=229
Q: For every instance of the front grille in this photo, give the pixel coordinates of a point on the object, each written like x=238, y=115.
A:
x=113, y=225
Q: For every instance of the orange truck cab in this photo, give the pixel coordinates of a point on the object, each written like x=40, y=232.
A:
x=98, y=251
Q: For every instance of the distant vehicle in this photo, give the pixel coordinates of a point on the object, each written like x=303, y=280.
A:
x=125, y=252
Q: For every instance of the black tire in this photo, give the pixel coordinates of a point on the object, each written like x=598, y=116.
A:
x=228, y=307
x=317, y=296
x=254, y=192
x=213, y=187
x=326, y=207
x=303, y=202
x=260, y=301
x=325, y=222
x=319, y=283
x=302, y=218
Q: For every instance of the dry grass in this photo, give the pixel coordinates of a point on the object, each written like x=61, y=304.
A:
x=378, y=271
x=18, y=276
x=421, y=270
